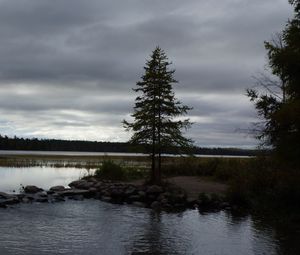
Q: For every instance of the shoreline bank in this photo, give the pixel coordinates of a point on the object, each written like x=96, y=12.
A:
x=169, y=197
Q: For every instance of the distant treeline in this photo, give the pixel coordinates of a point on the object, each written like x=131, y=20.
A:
x=8, y=143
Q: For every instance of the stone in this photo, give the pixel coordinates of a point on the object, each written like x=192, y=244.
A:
x=93, y=190
x=106, y=199
x=155, y=205
x=57, y=198
x=139, y=204
x=154, y=189
x=142, y=193
x=25, y=200
x=74, y=192
x=168, y=207
x=31, y=189
x=42, y=200
x=164, y=201
x=134, y=198
x=10, y=201
x=130, y=191
x=116, y=193
x=81, y=184
x=3, y=205
x=178, y=198
x=77, y=197
x=42, y=194
x=5, y=195
x=57, y=188
x=98, y=185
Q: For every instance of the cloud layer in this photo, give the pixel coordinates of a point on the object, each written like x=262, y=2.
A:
x=67, y=66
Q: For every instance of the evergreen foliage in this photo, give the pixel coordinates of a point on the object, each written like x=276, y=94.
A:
x=281, y=113
x=156, y=111
x=34, y=144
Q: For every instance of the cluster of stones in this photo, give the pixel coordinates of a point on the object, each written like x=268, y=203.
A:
x=167, y=197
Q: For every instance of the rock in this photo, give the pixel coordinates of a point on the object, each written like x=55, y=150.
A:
x=92, y=179
x=225, y=205
x=93, y=190
x=134, y=198
x=5, y=195
x=42, y=200
x=81, y=184
x=168, y=207
x=31, y=189
x=164, y=201
x=74, y=192
x=10, y=201
x=99, y=185
x=192, y=203
x=142, y=194
x=178, y=198
x=155, y=205
x=30, y=197
x=203, y=199
x=57, y=198
x=3, y=205
x=106, y=199
x=25, y=200
x=117, y=193
x=151, y=198
x=77, y=197
x=57, y=188
x=130, y=191
x=42, y=194
x=179, y=206
x=139, y=204
x=154, y=189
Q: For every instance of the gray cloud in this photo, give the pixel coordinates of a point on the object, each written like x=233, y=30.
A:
x=67, y=66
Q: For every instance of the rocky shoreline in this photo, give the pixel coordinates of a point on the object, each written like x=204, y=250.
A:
x=168, y=197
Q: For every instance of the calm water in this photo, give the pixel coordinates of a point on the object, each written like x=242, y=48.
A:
x=81, y=153
x=95, y=227
x=11, y=178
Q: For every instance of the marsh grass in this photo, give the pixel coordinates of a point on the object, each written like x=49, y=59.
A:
x=115, y=171
x=252, y=182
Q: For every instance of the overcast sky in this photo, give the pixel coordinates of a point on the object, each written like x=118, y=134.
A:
x=67, y=66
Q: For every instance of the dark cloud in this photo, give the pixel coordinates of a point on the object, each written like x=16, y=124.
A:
x=67, y=66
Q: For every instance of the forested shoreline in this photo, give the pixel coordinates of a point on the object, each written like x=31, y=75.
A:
x=34, y=144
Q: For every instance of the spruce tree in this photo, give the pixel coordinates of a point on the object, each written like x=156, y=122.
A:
x=281, y=112
x=156, y=123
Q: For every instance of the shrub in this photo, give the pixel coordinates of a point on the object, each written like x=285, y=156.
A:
x=110, y=170
x=117, y=172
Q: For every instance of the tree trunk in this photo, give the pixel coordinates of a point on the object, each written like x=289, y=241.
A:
x=153, y=163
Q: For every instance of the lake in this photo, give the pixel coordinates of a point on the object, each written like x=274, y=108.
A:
x=92, y=154
x=96, y=227
x=11, y=178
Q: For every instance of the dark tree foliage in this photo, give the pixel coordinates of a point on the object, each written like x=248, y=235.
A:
x=281, y=129
x=156, y=110
x=34, y=144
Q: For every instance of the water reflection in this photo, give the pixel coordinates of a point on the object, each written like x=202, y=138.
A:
x=94, y=227
x=279, y=226
x=44, y=177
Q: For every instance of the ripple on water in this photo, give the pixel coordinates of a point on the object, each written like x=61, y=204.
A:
x=94, y=227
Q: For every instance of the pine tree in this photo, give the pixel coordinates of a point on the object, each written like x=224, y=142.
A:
x=156, y=112
x=281, y=113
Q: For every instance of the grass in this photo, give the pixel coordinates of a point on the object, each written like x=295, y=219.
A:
x=115, y=171
x=252, y=181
